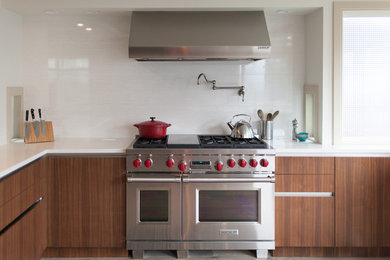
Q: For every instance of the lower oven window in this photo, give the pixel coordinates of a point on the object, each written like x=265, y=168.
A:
x=228, y=206
x=153, y=206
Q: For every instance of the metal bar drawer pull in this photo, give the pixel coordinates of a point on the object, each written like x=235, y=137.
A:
x=136, y=179
x=13, y=222
x=304, y=194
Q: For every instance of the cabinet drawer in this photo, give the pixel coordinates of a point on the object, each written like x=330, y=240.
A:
x=304, y=183
x=16, y=183
x=304, y=222
x=305, y=165
x=16, y=206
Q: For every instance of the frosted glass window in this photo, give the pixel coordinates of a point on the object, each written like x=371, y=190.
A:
x=366, y=78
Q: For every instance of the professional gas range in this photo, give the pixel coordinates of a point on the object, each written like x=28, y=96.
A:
x=200, y=192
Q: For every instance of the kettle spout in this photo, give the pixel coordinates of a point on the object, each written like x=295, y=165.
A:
x=230, y=125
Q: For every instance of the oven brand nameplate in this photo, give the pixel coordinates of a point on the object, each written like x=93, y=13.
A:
x=229, y=232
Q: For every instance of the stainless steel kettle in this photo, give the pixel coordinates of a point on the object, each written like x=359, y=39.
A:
x=242, y=128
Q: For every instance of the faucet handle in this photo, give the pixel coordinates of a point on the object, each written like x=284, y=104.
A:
x=241, y=92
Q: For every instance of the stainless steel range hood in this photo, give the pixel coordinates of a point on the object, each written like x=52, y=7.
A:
x=175, y=36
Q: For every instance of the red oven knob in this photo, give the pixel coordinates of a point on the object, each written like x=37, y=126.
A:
x=242, y=163
x=231, y=163
x=170, y=163
x=253, y=163
x=148, y=163
x=137, y=163
x=264, y=162
x=182, y=166
x=219, y=166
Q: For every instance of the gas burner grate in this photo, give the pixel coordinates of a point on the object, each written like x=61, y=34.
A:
x=225, y=141
x=215, y=141
x=150, y=142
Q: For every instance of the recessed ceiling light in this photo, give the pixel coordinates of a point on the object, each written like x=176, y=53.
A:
x=51, y=12
x=88, y=29
x=282, y=11
x=80, y=24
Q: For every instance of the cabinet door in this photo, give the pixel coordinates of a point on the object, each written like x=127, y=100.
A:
x=304, y=203
x=304, y=222
x=87, y=202
x=23, y=213
x=362, y=202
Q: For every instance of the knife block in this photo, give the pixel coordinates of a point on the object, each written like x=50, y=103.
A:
x=33, y=139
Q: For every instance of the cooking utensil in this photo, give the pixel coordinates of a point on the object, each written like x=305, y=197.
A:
x=260, y=113
x=152, y=129
x=27, y=127
x=43, y=122
x=276, y=113
x=269, y=117
x=37, y=129
x=242, y=128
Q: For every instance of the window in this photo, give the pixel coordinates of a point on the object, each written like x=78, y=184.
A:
x=362, y=82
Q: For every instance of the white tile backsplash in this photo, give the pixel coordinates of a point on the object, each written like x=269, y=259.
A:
x=88, y=87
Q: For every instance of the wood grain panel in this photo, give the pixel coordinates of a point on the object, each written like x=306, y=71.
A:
x=87, y=206
x=27, y=238
x=304, y=165
x=16, y=206
x=304, y=183
x=84, y=252
x=362, y=202
x=331, y=252
x=304, y=222
x=19, y=181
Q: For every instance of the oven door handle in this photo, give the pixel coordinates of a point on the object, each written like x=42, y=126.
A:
x=192, y=180
x=151, y=179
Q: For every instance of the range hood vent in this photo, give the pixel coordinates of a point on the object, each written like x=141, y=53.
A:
x=191, y=36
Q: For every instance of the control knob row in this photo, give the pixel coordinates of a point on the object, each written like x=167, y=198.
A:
x=218, y=165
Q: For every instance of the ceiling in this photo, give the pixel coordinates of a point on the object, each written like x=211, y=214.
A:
x=67, y=7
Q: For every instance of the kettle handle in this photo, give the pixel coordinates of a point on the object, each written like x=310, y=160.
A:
x=242, y=115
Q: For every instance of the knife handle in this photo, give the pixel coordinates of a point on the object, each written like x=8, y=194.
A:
x=32, y=114
x=26, y=115
x=39, y=113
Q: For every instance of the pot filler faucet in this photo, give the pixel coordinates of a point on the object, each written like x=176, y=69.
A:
x=241, y=89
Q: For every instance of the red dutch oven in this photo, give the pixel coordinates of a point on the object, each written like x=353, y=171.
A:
x=152, y=129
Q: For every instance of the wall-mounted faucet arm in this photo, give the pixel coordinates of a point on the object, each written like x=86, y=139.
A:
x=241, y=89
x=208, y=81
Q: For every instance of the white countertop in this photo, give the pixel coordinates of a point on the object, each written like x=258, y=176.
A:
x=293, y=148
x=16, y=155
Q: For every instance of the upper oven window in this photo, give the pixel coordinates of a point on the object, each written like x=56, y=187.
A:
x=153, y=206
x=228, y=206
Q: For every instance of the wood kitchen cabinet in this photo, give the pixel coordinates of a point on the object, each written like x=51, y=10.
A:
x=362, y=202
x=87, y=205
x=23, y=212
x=302, y=221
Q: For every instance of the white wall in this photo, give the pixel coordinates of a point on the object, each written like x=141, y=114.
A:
x=10, y=61
x=88, y=87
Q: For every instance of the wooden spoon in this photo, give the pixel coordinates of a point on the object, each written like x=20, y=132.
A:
x=269, y=117
x=260, y=113
x=275, y=114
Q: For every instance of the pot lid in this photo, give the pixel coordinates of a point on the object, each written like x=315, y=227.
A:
x=153, y=123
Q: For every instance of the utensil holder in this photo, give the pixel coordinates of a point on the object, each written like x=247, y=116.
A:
x=266, y=129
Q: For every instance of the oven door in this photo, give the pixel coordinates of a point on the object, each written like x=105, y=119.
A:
x=153, y=207
x=228, y=207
